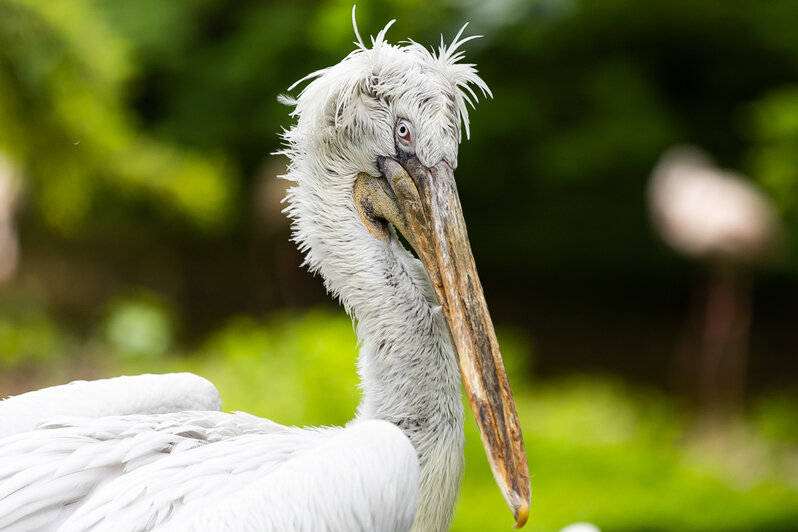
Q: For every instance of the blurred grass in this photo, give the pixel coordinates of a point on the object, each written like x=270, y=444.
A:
x=625, y=459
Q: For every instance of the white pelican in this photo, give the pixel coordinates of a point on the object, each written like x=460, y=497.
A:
x=725, y=220
x=374, y=148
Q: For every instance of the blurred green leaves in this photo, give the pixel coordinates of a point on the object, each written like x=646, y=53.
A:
x=64, y=117
x=28, y=337
x=304, y=366
x=775, y=153
x=626, y=460
x=139, y=326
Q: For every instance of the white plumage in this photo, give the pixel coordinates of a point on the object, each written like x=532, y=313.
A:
x=143, y=394
x=206, y=471
x=147, y=452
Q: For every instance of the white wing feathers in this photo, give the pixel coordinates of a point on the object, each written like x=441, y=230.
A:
x=200, y=470
x=365, y=477
x=61, y=467
x=142, y=394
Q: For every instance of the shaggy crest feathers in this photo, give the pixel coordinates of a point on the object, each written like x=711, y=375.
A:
x=446, y=61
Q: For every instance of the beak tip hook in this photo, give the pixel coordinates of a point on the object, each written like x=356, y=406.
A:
x=521, y=519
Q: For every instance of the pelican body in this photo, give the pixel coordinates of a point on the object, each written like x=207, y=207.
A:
x=372, y=152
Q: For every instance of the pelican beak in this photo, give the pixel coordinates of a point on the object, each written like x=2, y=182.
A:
x=423, y=204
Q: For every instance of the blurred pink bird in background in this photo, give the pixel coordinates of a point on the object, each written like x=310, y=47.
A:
x=724, y=220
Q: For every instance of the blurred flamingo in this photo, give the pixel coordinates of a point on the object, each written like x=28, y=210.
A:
x=727, y=222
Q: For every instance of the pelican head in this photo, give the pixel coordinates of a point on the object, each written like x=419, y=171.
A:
x=373, y=152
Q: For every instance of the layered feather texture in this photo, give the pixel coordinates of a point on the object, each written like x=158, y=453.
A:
x=206, y=471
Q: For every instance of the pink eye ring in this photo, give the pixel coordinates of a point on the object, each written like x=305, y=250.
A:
x=404, y=132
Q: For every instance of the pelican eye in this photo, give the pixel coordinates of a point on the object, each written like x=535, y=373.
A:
x=404, y=132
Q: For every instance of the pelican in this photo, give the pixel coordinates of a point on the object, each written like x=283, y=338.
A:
x=372, y=151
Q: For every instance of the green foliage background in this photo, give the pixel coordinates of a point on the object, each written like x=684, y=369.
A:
x=152, y=240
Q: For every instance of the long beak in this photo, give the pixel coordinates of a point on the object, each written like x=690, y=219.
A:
x=423, y=204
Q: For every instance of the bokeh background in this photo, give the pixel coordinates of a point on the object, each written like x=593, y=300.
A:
x=140, y=230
